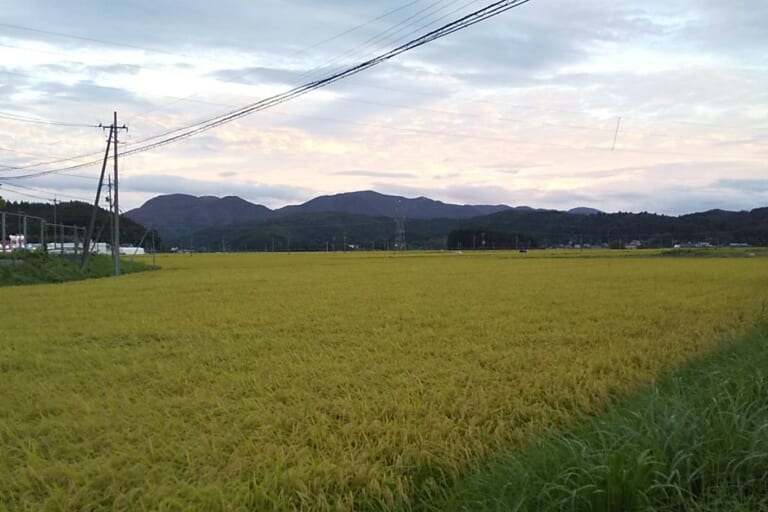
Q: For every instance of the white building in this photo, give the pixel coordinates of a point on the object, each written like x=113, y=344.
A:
x=131, y=251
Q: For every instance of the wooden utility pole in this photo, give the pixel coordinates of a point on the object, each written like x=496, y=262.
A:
x=55, y=233
x=92, y=224
x=116, y=202
x=115, y=199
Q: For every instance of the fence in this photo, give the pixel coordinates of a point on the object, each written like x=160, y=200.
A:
x=20, y=231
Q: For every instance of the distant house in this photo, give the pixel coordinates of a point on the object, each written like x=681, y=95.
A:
x=15, y=242
x=692, y=245
x=634, y=244
x=131, y=251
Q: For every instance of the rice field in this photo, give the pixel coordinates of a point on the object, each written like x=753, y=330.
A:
x=333, y=381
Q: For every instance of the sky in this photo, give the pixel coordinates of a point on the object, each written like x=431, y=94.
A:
x=622, y=106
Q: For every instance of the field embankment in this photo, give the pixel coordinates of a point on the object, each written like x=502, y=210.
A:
x=23, y=267
x=333, y=381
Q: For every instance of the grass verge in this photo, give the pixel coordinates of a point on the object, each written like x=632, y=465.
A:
x=25, y=267
x=694, y=440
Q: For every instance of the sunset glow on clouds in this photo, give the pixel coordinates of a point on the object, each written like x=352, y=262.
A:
x=521, y=109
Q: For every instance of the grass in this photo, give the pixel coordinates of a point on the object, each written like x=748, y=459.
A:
x=695, y=440
x=332, y=381
x=25, y=267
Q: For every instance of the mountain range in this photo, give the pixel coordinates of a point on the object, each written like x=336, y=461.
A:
x=179, y=215
x=366, y=220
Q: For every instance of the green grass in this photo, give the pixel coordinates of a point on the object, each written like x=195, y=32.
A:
x=695, y=440
x=24, y=267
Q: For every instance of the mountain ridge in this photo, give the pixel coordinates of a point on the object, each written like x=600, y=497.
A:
x=365, y=219
x=178, y=215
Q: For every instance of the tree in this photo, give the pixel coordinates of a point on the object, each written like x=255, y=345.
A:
x=2, y=203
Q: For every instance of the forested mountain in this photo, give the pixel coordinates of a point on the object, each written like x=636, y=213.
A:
x=504, y=230
x=318, y=232
x=178, y=215
x=230, y=223
x=368, y=202
x=76, y=213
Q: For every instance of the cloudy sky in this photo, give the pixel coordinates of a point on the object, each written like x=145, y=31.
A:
x=521, y=109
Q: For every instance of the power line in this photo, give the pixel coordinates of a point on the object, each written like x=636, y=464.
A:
x=89, y=39
x=337, y=36
x=37, y=50
x=473, y=135
x=55, y=161
x=166, y=52
x=568, y=126
x=466, y=21
x=41, y=190
x=296, y=52
x=419, y=15
x=356, y=28
x=31, y=196
x=177, y=99
x=25, y=119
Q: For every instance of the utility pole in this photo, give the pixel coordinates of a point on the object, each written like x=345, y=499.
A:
x=154, y=265
x=399, y=226
x=55, y=236
x=109, y=221
x=92, y=224
x=116, y=200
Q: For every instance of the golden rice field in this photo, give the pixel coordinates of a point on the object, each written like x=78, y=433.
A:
x=331, y=381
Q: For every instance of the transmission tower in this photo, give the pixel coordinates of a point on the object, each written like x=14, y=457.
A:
x=399, y=226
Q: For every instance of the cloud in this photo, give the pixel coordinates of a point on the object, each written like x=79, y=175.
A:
x=507, y=111
x=376, y=174
x=54, y=93
x=461, y=194
x=168, y=184
x=743, y=185
x=269, y=75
